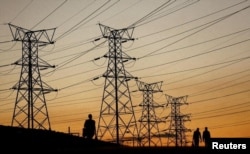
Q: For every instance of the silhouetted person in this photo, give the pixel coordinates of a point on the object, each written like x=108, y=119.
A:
x=89, y=129
x=196, y=137
x=206, y=137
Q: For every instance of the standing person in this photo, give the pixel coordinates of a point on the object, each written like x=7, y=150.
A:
x=196, y=137
x=206, y=137
x=89, y=129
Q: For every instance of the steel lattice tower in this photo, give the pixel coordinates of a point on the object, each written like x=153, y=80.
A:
x=149, y=132
x=30, y=109
x=117, y=122
x=177, y=130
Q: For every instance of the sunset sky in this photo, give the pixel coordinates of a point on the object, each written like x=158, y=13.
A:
x=198, y=48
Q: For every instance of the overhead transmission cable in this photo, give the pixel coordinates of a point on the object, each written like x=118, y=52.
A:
x=231, y=107
x=224, y=114
x=49, y=14
x=150, y=14
x=210, y=90
x=196, y=55
x=185, y=5
x=230, y=125
x=218, y=89
x=203, y=73
x=123, y=10
x=210, y=80
x=7, y=50
x=207, y=15
x=78, y=56
x=71, y=17
x=223, y=96
x=199, y=43
x=209, y=25
x=81, y=24
x=76, y=26
x=19, y=13
x=196, y=68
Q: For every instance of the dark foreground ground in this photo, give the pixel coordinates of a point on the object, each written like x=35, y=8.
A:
x=23, y=140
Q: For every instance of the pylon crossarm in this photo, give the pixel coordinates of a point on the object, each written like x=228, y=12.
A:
x=153, y=87
x=122, y=34
x=17, y=32
x=43, y=37
x=44, y=64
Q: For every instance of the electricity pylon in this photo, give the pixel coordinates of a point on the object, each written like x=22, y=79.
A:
x=177, y=130
x=117, y=122
x=30, y=109
x=149, y=132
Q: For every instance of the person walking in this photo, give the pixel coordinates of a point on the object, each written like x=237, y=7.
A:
x=196, y=137
x=206, y=137
x=89, y=128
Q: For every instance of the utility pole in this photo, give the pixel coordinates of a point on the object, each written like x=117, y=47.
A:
x=177, y=129
x=149, y=132
x=30, y=109
x=117, y=122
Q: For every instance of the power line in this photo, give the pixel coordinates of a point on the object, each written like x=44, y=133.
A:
x=209, y=24
x=225, y=114
x=178, y=8
x=238, y=123
x=202, y=67
x=209, y=71
x=76, y=26
x=49, y=14
x=231, y=107
x=5, y=41
x=19, y=13
x=71, y=17
x=210, y=80
x=76, y=57
x=223, y=96
x=200, y=54
x=217, y=89
x=150, y=14
x=207, y=15
x=192, y=45
x=123, y=10
x=5, y=65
